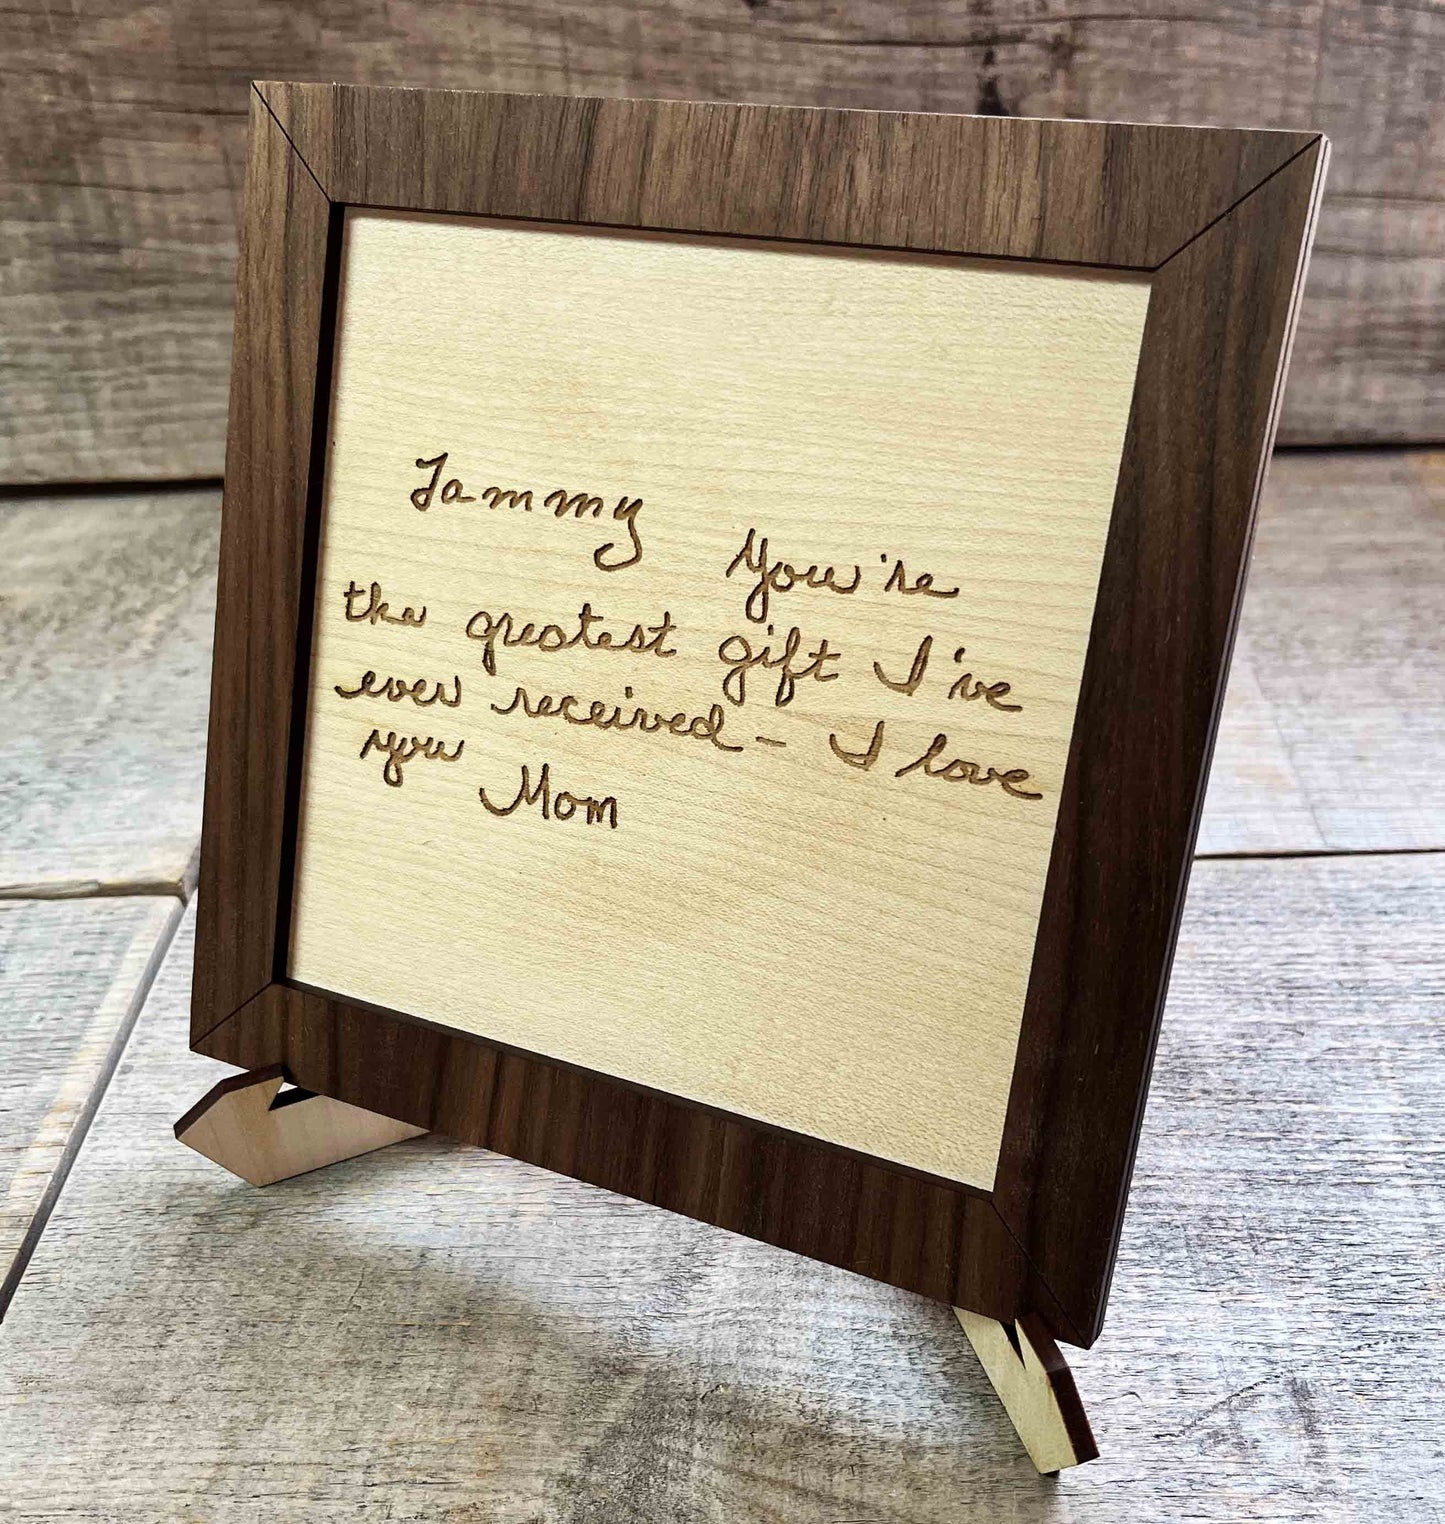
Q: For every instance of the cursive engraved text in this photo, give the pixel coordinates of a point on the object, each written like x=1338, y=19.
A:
x=490, y=628
x=402, y=749
x=562, y=805
x=396, y=689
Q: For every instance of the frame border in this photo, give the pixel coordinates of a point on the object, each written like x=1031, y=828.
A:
x=1222, y=220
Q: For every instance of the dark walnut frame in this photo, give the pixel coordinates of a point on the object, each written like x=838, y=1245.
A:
x=1221, y=219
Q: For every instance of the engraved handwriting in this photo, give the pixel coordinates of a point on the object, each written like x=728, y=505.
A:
x=562, y=805
x=864, y=759
x=564, y=504
x=605, y=716
x=401, y=749
x=421, y=498
x=377, y=609
x=579, y=504
x=396, y=689
x=909, y=685
x=737, y=653
x=782, y=664
x=898, y=582
x=960, y=771
x=489, y=628
x=781, y=576
x=968, y=688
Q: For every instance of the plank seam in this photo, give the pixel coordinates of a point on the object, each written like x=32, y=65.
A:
x=11, y=492
x=78, y=1134
x=1264, y=856
x=97, y=889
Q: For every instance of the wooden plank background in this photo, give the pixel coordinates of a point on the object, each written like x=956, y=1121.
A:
x=75, y=972
x=107, y=602
x=482, y=1338
x=436, y=1332
x=121, y=149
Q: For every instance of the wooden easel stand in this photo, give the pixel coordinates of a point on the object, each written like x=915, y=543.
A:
x=252, y=1127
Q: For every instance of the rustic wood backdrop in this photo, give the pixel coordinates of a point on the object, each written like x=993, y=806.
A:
x=121, y=148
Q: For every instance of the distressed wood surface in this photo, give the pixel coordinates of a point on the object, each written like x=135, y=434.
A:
x=122, y=149
x=106, y=614
x=71, y=977
x=1333, y=734
x=436, y=1332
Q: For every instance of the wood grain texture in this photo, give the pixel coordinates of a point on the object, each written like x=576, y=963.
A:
x=1219, y=317
x=485, y=1340
x=260, y=1136
x=105, y=630
x=268, y=463
x=71, y=977
x=1036, y=1388
x=1117, y=195
x=781, y=1188
x=122, y=153
x=729, y=880
x=1199, y=436
x=1333, y=733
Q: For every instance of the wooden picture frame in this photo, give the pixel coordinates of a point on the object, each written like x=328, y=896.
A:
x=1219, y=220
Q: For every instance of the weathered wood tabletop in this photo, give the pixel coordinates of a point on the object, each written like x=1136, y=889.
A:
x=434, y=1332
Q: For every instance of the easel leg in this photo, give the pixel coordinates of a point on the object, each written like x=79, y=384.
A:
x=1035, y=1386
x=245, y=1127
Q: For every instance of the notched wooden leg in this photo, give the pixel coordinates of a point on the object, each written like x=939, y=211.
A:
x=245, y=1127
x=1036, y=1387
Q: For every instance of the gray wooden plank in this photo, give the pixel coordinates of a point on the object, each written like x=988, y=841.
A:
x=106, y=611
x=1333, y=733
x=121, y=153
x=72, y=974
x=436, y=1332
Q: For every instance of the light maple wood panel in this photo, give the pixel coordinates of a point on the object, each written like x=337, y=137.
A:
x=713, y=389
x=71, y=976
x=437, y=1331
x=1333, y=734
x=121, y=153
x=107, y=604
